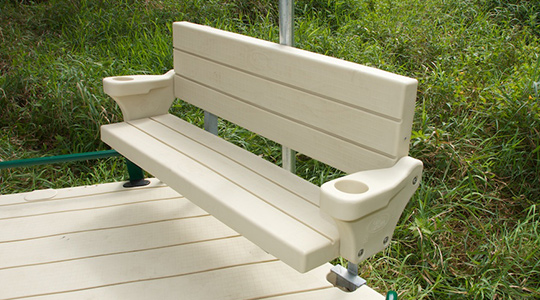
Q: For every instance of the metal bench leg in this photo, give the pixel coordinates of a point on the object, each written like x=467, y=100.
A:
x=136, y=175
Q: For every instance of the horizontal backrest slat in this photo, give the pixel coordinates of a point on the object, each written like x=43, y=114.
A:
x=266, y=86
x=350, y=123
x=326, y=148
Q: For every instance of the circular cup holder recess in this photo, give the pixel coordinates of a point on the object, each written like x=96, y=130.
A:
x=351, y=186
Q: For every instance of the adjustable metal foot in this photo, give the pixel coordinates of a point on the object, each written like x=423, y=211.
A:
x=347, y=279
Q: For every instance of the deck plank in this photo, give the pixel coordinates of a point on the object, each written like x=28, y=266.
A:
x=72, y=193
x=91, y=219
x=118, y=269
x=251, y=281
x=155, y=249
x=120, y=240
x=67, y=203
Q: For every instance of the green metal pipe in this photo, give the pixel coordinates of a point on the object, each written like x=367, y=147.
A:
x=391, y=296
x=57, y=159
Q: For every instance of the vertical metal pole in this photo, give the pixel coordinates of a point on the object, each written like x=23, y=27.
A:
x=286, y=37
x=286, y=22
x=210, y=123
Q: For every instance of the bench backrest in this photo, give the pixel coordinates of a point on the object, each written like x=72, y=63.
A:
x=349, y=116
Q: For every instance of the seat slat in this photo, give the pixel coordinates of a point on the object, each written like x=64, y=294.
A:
x=288, y=181
x=343, y=121
x=278, y=233
x=295, y=205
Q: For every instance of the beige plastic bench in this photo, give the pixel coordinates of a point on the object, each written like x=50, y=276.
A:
x=355, y=118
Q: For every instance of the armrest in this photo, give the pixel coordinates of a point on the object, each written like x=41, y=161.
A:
x=141, y=96
x=366, y=206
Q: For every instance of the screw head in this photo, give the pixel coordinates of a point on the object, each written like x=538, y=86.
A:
x=386, y=239
x=361, y=252
x=415, y=180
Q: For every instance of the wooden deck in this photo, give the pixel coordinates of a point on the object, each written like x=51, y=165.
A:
x=108, y=242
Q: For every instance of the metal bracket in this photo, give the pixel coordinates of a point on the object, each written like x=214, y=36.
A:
x=348, y=279
x=211, y=123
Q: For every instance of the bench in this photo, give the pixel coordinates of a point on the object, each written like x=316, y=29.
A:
x=352, y=117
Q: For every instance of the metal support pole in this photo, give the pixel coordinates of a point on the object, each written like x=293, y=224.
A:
x=211, y=123
x=286, y=22
x=286, y=37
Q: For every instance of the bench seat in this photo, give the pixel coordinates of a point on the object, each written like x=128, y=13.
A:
x=270, y=206
x=354, y=118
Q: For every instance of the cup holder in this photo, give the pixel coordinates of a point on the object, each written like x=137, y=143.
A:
x=351, y=186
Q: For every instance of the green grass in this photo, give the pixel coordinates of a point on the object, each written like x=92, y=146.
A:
x=471, y=230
